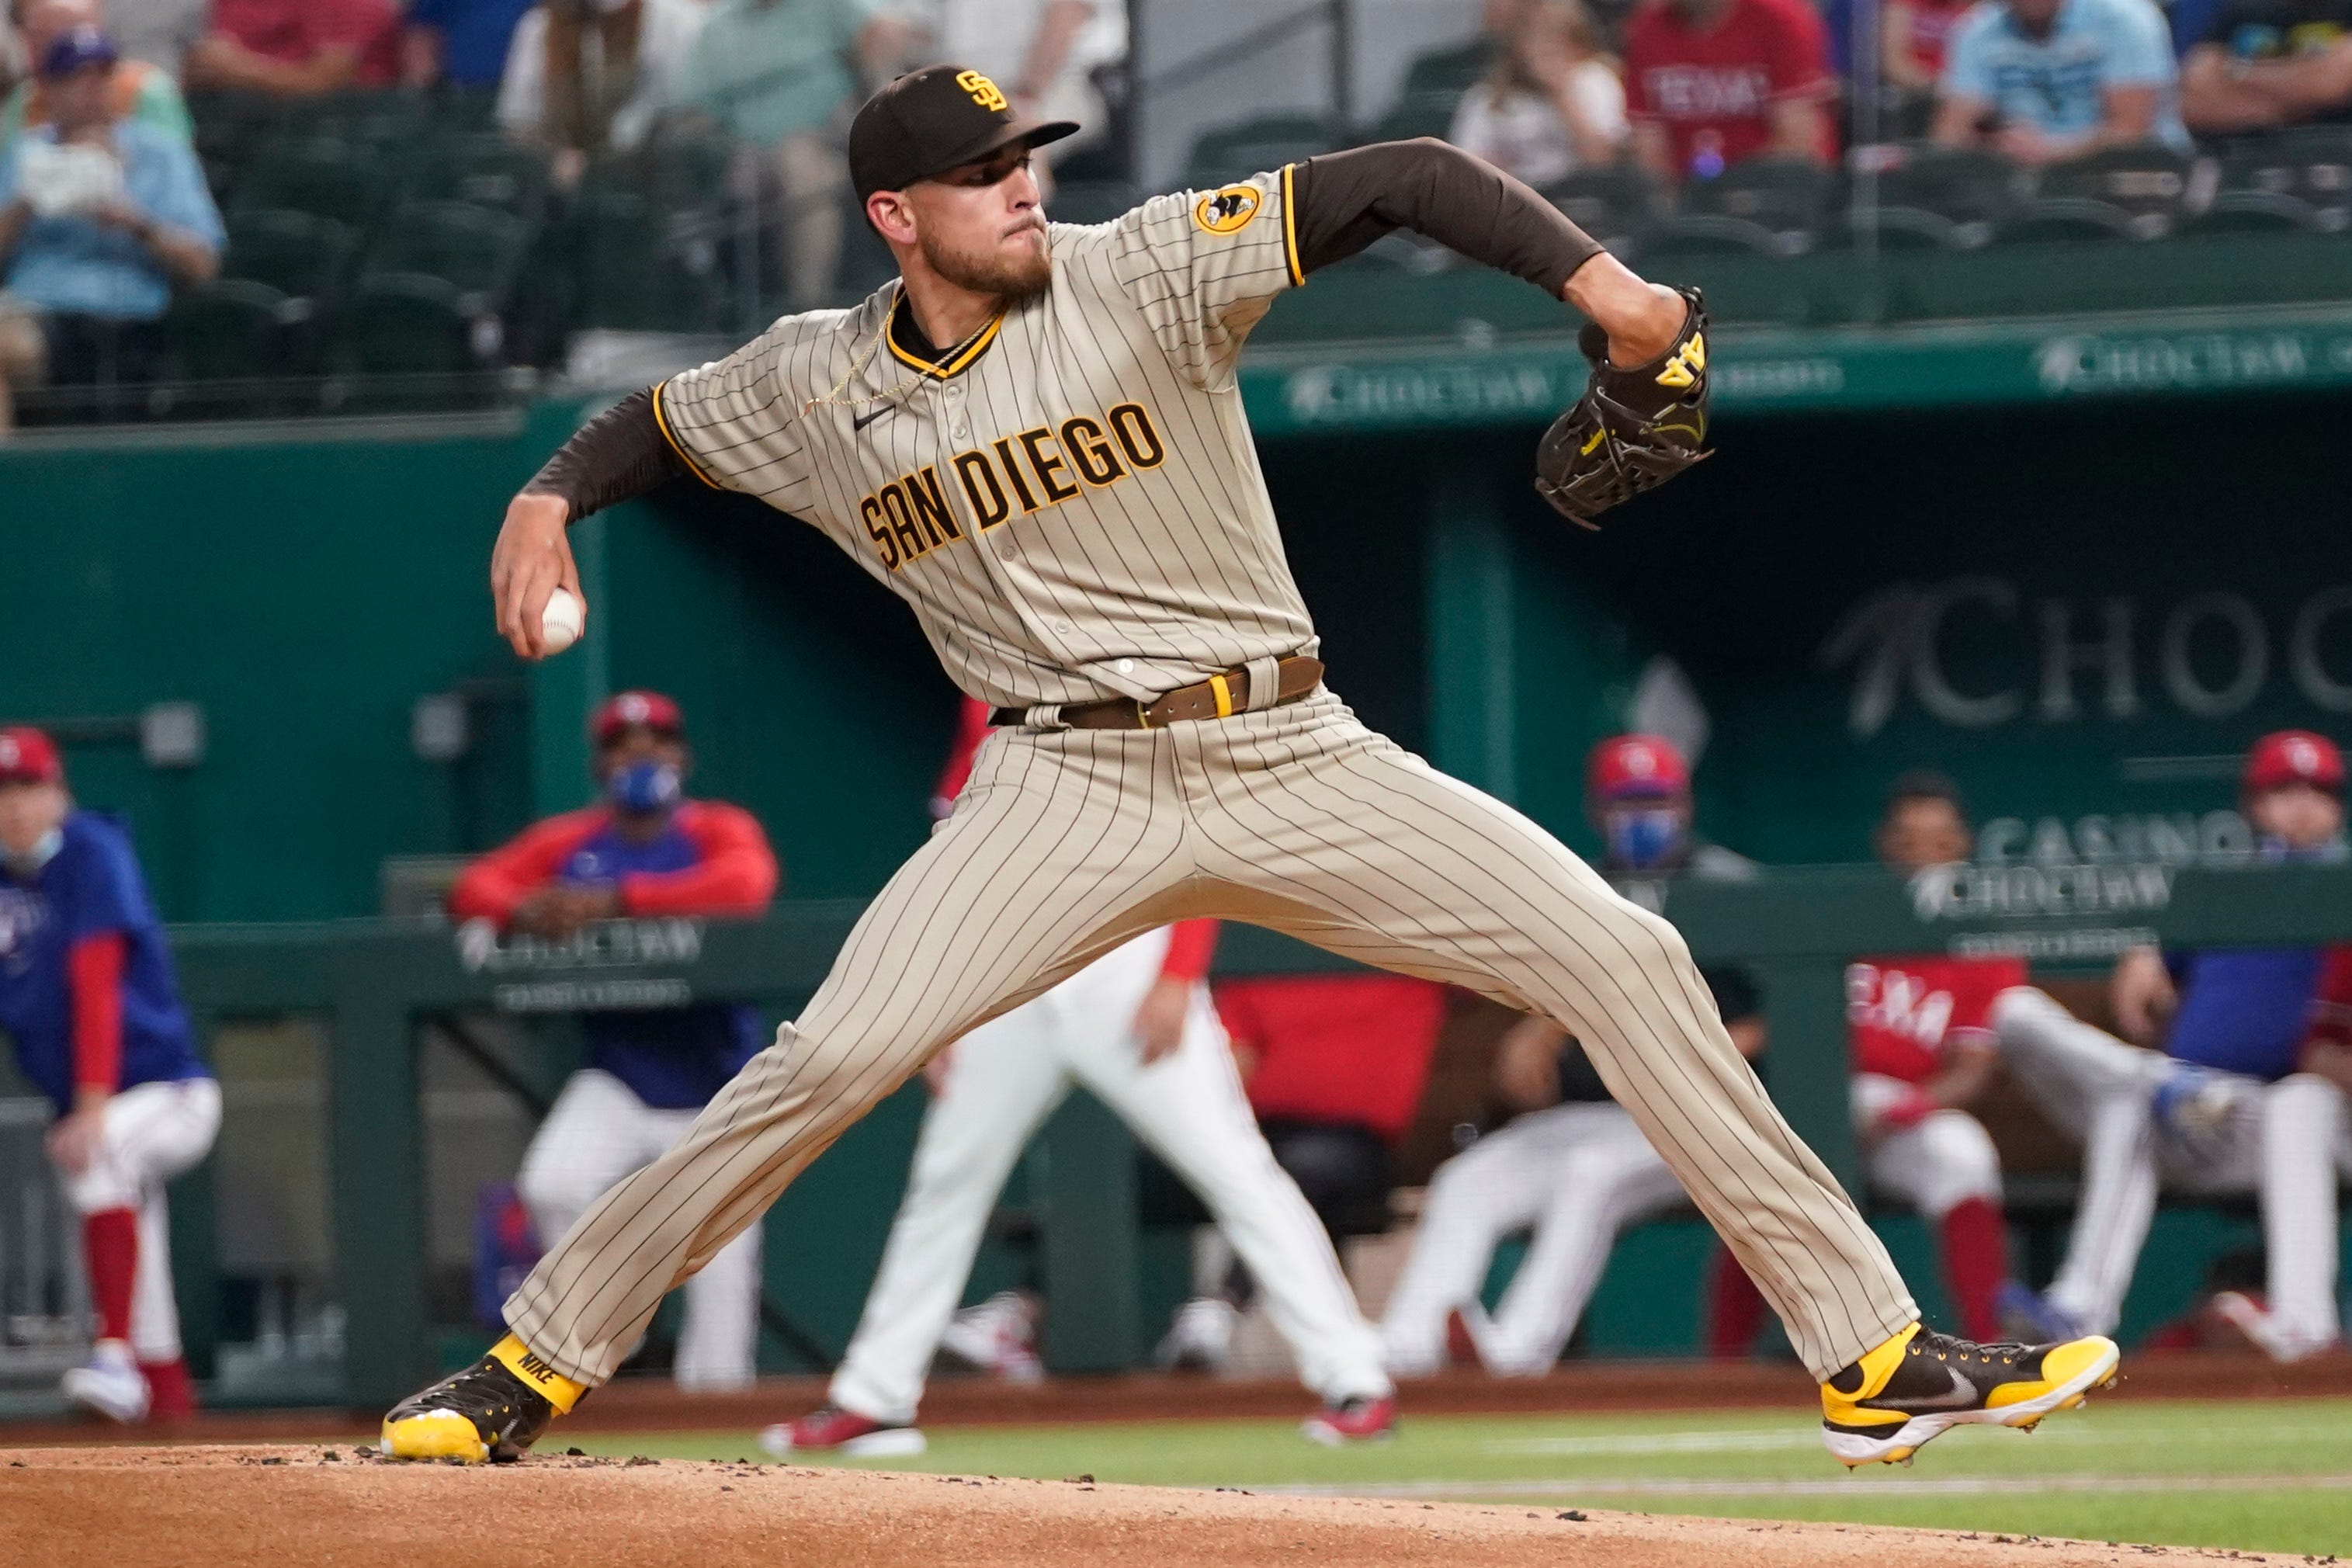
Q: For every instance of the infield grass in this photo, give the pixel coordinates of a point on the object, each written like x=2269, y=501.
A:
x=2261, y=1476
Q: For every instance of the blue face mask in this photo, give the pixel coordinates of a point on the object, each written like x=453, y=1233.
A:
x=645, y=787
x=1643, y=840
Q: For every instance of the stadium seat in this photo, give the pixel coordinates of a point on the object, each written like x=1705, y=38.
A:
x=1417, y=114
x=230, y=129
x=372, y=117
x=643, y=270
x=1765, y=206
x=1945, y=196
x=1450, y=69
x=322, y=175
x=477, y=249
x=1249, y=147
x=2313, y=165
x=301, y=256
x=2148, y=184
x=2253, y=212
x=2066, y=220
x=232, y=329
x=1617, y=204
x=483, y=169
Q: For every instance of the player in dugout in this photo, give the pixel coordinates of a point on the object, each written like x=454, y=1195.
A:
x=88, y=995
x=644, y=849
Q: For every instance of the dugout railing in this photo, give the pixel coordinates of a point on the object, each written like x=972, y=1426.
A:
x=375, y=985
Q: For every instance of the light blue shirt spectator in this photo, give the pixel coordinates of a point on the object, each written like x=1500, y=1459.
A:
x=70, y=264
x=2056, y=83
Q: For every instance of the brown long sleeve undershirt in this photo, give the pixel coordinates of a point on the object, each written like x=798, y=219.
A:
x=1345, y=201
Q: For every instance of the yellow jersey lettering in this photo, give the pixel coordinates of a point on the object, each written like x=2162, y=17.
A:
x=1004, y=445
x=932, y=507
x=1047, y=464
x=885, y=546
x=973, y=471
x=1091, y=454
x=1130, y=423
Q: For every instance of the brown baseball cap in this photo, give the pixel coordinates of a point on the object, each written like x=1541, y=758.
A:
x=931, y=121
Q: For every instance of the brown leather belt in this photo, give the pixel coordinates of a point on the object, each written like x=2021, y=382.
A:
x=1219, y=697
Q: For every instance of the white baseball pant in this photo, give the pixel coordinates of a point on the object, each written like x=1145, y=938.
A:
x=1574, y=1176
x=596, y=1134
x=151, y=1133
x=1003, y=1080
x=2285, y=1140
x=1939, y=1161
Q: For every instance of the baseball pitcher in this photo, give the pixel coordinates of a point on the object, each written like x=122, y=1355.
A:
x=1034, y=437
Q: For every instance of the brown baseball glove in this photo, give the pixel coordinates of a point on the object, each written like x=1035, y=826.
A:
x=1633, y=430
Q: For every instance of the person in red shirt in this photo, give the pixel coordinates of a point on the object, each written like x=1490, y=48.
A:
x=645, y=851
x=1134, y=1029
x=298, y=48
x=1714, y=81
x=1923, y=1049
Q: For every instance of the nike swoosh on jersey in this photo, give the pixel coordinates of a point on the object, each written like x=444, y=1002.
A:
x=860, y=421
x=1959, y=1397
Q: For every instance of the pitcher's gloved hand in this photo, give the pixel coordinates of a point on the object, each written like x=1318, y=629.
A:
x=1633, y=430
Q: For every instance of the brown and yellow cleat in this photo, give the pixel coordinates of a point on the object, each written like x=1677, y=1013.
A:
x=1920, y=1384
x=491, y=1412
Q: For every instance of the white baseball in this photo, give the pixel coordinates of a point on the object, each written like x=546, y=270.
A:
x=561, y=623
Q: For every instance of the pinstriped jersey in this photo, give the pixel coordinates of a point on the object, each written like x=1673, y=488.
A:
x=1071, y=503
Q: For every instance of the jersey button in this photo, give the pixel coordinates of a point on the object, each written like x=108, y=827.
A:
x=957, y=429
x=1125, y=667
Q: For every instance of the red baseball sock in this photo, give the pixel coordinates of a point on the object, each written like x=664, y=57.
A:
x=170, y=1394
x=110, y=1246
x=1976, y=1260
x=1735, y=1309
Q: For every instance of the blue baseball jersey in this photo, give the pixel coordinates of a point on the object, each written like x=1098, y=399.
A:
x=90, y=885
x=673, y=1059
x=2245, y=1009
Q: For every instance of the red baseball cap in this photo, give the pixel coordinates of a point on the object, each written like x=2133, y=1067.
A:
x=628, y=709
x=1631, y=767
x=27, y=756
x=2293, y=756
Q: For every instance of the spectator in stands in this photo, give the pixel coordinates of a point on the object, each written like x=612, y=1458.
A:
x=1573, y=1169
x=2265, y=64
x=462, y=43
x=1334, y=1065
x=587, y=75
x=100, y=218
x=1923, y=1050
x=2043, y=81
x=1715, y=81
x=137, y=90
x=2244, y=1092
x=1552, y=102
x=646, y=850
x=779, y=76
x=296, y=49
x=1044, y=54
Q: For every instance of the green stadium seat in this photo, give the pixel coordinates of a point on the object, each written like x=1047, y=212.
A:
x=1617, y=204
x=1764, y=206
x=2253, y=212
x=233, y=329
x=2066, y=220
x=483, y=169
x=2312, y=165
x=477, y=249
x=323, y=175
x=1417, y=114
x=1235, y=152
x=1450, y=69
x=641, y=268
x=300, y=254
x=2147, y=184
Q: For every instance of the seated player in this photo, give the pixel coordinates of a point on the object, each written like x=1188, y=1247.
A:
x=2228, y=1103
x=645, y=850
x=87, y=996
x=1134, y=1029
x=1574, y=1170
x=1923, y=1050
x=1334, y=1066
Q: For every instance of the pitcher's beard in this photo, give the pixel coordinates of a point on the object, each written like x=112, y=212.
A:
x=1011, y=279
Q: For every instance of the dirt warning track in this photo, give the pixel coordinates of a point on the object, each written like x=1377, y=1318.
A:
x=69, y=1508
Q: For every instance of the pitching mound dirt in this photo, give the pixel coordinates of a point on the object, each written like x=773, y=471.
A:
x=64, y=1508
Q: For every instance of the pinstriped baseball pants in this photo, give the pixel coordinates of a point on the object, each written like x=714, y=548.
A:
x=1069, y=842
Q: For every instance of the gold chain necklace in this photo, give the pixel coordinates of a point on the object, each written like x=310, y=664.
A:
x=834, y=399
